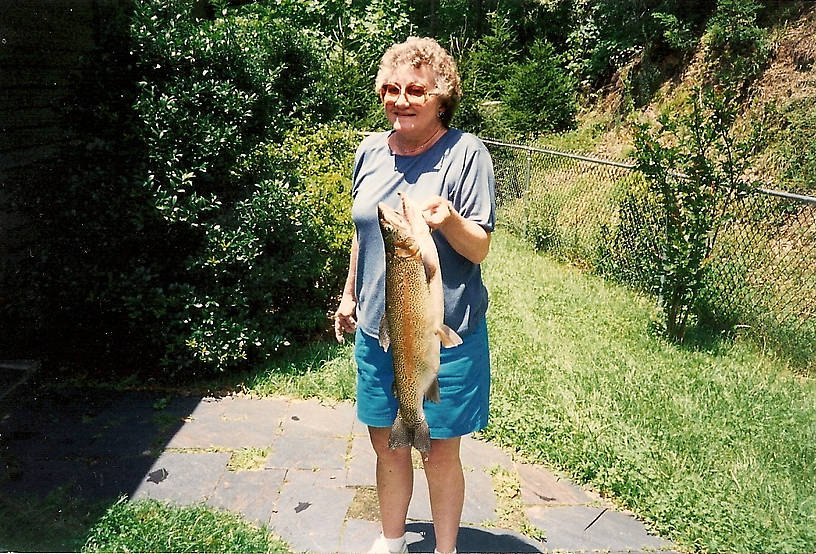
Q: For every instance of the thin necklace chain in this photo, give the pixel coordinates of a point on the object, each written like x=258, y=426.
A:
x=404, y=151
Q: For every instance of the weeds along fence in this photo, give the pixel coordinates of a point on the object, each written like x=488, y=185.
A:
x=600, y=215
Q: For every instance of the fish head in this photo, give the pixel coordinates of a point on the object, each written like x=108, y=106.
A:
x=412, y=214
x=398, y=235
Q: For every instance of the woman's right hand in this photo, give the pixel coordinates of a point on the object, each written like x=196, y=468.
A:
x=344, y=317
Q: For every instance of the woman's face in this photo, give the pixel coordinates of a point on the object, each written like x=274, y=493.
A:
x=407, y=113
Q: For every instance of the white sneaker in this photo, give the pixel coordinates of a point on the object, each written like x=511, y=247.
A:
x=381, y=546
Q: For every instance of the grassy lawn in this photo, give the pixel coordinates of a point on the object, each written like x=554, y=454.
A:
x=714, y=443
x=150, y=526
x=61, y=523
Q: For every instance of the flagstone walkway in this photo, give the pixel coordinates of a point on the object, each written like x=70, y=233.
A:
x=302, y=468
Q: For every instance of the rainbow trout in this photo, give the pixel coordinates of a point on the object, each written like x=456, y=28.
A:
x=412, y=324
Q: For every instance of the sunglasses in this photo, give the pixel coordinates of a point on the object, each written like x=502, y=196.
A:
x=414, y=94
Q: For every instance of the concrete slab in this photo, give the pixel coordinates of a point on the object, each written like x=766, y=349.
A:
x=472, y=539
x=420, y=507
x=304, y=451
x=480, y=499
x=256, y=410
x=190, y=477
x=230, y=423
x=541, y=486
x=479, y=455
x=361, y=463
x=309, y=416
x=358, y=536
x=253, y=494
x=311, y=511
x=571, y=528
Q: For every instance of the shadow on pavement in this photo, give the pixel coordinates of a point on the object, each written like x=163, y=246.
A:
x=472, y=540
x=78, y=447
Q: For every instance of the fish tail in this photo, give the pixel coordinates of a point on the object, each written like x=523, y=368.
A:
x=422, y=437
x=401, y=435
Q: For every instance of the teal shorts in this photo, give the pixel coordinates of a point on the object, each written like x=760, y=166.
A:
x=464, y=386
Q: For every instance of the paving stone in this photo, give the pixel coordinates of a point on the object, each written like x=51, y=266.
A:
x=309, y=416
x=190, y=478
x=566, y=529
x=253, y=494
x=357, y=426
x=301, y=451
x=480, y=499
x=480, y=455
x=230, y=423
x=311, y=511
x=472, y=539
x=420, y=507
x=541, y=486
x=362, y=463
x=246, y=409
x=358, y=536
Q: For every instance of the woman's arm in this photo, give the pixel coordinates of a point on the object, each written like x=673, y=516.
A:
x=467, y=237
x=344, y=317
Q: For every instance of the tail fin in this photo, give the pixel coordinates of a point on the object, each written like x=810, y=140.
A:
x=401, y=435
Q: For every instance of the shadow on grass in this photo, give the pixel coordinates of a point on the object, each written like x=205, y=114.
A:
x=70, y=448
x=792, y=347
x=69, y=452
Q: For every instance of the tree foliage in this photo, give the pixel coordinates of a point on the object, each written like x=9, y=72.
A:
x=702, y=144
x=198, y=218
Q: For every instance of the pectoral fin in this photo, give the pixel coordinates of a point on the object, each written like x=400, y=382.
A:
x=430, y=268
x=384, y=337
x=448, y=336
x=432, y=393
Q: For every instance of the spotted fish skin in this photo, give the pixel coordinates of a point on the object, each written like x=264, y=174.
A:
x=412, y=324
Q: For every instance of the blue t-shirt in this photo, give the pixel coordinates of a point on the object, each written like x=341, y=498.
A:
x=457, y=167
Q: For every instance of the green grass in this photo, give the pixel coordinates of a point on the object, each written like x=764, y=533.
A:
x=55, y=523
x=324, y=370
x=62, y=523
x=713, y=444
x=151, y=526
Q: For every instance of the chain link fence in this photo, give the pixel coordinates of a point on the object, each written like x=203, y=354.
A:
x=599, y=214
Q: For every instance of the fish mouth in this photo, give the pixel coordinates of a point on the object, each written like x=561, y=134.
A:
x=396, y=231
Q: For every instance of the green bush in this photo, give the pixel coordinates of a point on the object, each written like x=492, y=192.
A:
x=163, y=239
x=539, y=96
x=737, y=45
x=693, y=207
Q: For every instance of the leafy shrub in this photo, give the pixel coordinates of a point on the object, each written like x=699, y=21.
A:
x=539, y=96
x=702, y=145
x=738, y=46
x=349, y=36
x=167, y=240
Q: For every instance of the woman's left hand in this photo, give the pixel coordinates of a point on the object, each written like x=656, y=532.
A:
x=466, y=237
x=437, y=211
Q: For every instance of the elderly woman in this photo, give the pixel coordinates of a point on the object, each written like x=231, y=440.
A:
x=450, y=175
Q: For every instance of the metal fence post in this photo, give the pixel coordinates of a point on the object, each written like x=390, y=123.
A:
x=527, y=185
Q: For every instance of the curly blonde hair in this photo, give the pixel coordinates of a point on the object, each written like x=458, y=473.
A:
x=416, y=51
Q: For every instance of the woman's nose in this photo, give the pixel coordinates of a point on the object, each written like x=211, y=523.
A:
x=402, y=100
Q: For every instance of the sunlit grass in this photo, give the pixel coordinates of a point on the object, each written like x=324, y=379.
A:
x=60, y=522
x=714, y=442
x=151, y=526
